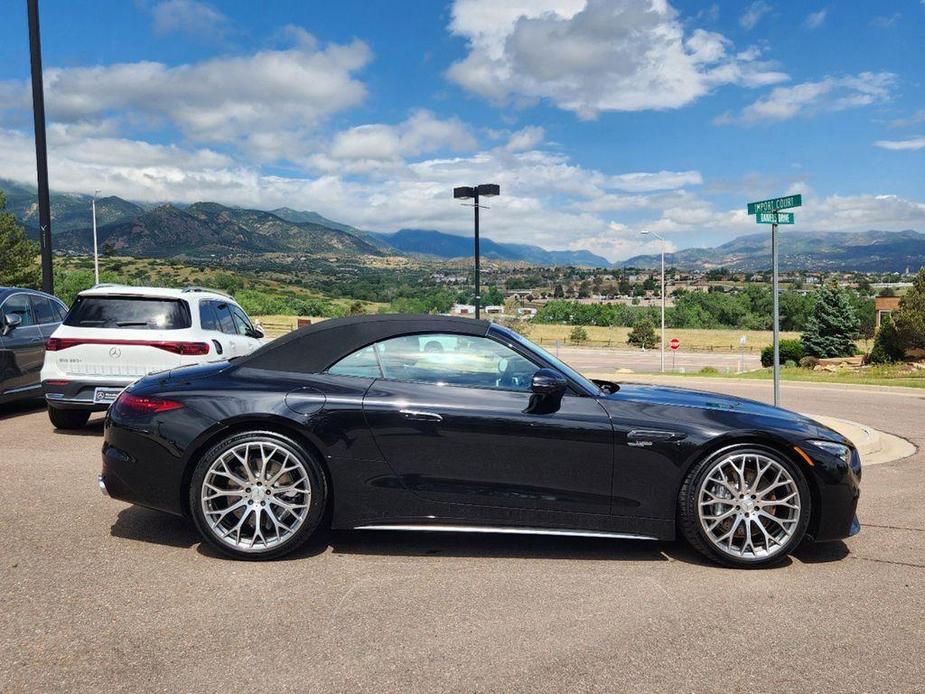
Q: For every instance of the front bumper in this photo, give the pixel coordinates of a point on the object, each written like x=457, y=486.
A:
x=838, y=491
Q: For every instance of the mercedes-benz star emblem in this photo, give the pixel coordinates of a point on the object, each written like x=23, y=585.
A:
x=115, y=352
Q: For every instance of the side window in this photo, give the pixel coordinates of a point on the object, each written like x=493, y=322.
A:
x=225, y=319
x=241, y=321
x=455, y=360
x=60, y=310
x=19, y=305
x=207, y=315
x=43, y=310
x=362, y=363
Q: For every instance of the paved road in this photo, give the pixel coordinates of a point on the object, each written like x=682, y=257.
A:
x=97, y=595
x=602, y=359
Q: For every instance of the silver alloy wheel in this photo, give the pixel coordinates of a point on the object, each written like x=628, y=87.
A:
x=255, y=495
x=749, y=506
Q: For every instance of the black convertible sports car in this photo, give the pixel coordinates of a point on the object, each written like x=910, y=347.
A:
x=435, y=423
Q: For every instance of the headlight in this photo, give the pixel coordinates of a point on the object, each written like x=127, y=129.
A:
x=837, y=449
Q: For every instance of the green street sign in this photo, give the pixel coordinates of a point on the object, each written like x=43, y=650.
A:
x=774, y=218
x=775, y=204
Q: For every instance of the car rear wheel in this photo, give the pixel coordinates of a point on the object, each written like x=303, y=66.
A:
x=745, y=506
x=67, y=419
x=257, y=495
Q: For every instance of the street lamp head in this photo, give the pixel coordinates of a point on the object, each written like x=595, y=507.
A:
x=645, y=232
x=489, y=190
x=464, y=193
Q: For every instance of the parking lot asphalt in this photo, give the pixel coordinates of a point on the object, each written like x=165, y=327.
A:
x=97, y=595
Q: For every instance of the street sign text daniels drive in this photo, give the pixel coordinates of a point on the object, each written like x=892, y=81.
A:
x=775, y=204
x=774, y=218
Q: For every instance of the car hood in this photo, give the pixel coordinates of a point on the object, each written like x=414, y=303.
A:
x=682, y=397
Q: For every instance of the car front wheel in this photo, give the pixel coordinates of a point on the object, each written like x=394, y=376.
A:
x=745, y=506
x=67, y=419
x=257, y=495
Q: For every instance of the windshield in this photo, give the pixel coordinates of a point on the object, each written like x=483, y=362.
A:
x=130, y=313
x=553, y=360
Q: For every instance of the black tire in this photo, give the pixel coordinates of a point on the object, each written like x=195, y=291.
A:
x=315, y=516
x=696, y=535
x=68, y=419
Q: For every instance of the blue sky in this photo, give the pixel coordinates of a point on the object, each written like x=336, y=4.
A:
x=599, y=118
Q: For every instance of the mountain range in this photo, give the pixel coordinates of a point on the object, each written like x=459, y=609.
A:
x=441, y=245
x=871, y=251
x=211, y=229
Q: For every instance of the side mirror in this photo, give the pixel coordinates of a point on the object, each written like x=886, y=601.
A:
x=11, y=321
x=548, y=382
x=256, y=333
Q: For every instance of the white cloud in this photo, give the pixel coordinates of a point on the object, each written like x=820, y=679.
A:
x=660, y=180
x=527, y=138
x=195, y=19
x=809, y=98
x=226, y=100
x=368, y=148
x=588, y=56
x=816, y=19
x=912, y=143
x=753, y=14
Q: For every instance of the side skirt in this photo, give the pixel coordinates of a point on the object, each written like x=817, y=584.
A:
x=424, y=527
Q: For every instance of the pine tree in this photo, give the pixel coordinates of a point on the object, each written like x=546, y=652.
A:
x=18, y=266
x=832, y=327
x=909, y=319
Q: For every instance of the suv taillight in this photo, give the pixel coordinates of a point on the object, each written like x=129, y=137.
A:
x=128, y=405
x=188, y=349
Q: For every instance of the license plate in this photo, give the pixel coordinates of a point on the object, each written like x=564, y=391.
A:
x=106, y=395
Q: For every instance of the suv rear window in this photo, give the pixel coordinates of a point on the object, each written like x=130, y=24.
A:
x=131, y=313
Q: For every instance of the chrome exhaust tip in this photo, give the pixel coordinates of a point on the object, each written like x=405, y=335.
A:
x=102, y=482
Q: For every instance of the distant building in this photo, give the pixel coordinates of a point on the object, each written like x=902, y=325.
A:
x=526, y=312
x=494, y=310
x=463, y=310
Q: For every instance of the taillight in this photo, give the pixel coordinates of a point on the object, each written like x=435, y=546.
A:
x=128, y=405
x=189, y=349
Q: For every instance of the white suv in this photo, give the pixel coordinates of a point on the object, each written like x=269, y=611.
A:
x=114, y=335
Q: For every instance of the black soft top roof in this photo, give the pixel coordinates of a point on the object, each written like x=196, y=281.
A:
x=314, y=348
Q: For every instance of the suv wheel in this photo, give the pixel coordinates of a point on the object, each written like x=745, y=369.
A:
x=67, y=419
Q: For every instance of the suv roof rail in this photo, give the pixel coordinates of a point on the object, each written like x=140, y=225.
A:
x=193, y=288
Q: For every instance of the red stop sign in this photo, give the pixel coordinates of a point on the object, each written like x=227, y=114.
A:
x=674, y=343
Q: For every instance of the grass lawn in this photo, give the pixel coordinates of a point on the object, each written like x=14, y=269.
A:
x=881, y=375
x=692, y=339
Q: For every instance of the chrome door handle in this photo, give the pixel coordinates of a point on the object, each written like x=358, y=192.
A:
x=421, y=415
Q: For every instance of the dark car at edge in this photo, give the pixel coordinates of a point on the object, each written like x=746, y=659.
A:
x=27, y=319
x=431, y=423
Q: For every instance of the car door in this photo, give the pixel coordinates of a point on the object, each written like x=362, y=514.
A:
x=209, y=325
x=24, y=345
x=451, y=417
x=247, y=339
x=229, y=330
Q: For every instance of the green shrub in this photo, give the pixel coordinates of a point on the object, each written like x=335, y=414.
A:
x=790, y=350
x=887, y=345
x=642, y=334
x=790, y=364
x=578, y=335
x=706, y=370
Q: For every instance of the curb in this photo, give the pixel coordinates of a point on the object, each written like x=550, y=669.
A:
x=875, y=446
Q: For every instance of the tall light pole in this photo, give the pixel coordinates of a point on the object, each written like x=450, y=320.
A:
x=41, y=153
x=96, y=255
x=485, y=190
x=659, y=237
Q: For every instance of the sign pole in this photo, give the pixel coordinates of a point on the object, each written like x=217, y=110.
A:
x=478, y=279
x=774, y=292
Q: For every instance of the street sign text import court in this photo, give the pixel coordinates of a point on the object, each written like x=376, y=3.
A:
x=775, y=204
x=774, y=218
